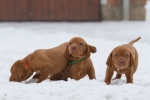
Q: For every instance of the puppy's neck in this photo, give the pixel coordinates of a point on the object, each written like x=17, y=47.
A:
x=27, y=65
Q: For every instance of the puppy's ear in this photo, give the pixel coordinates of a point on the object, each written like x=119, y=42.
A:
x=132, y=60
x=87, y=52
x=19, y=70
x=92, y=49
x=109, y=60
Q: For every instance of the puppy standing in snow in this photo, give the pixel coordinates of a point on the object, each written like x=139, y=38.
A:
x=124, y=60
x=46, y=61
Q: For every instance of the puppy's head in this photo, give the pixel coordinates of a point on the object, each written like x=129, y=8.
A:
x=78, y=47
x=120, y=58
x=19, y=72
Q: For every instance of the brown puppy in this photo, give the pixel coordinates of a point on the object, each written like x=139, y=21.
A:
x=124, y=60
x=80, y=63
x=47, y=61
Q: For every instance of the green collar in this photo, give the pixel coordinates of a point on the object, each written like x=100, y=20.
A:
x=76, y=61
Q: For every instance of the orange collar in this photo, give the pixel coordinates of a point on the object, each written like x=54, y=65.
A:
x=27, y=65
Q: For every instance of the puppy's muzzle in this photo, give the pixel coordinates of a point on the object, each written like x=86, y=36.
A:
x=122, y=62
x=73, y=48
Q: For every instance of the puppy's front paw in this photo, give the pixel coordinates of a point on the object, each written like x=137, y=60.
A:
x=107, y=82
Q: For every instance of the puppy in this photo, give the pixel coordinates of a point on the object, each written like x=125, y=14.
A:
x=80, y=63
x=124, y=60
x=45, y=61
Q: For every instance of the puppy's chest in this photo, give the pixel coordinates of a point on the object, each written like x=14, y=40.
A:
x=121, y=71
x=78, y=68
x=83, y=71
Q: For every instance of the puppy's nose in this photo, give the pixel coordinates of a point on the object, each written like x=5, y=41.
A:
x=73, y=48
x=122, y=61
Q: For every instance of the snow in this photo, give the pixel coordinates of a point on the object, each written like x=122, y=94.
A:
x=17, y=39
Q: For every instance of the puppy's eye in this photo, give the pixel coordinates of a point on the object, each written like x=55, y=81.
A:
x=70, y=43
x=81, y=43
x=126, y=55
x=116, y=55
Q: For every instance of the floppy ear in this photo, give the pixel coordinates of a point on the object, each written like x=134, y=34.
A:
x=87, y=51
x=132, y=60
x=92, y=49
x=19, y=70
x=109, y=60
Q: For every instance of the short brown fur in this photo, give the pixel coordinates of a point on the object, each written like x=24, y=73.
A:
x=124, y=60
x=77, y=49
x=47, y=61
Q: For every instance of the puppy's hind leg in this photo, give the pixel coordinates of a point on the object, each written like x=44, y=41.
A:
x=37, y=75
x=118, y=76
x=44, y=74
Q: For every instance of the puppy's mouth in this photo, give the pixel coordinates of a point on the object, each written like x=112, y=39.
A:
x=120, y=67
x=13, y=78
x=74, y=53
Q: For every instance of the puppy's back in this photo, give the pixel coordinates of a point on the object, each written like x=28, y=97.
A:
x=133, y=51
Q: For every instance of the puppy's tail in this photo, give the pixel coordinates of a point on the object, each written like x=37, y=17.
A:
x=133, y=41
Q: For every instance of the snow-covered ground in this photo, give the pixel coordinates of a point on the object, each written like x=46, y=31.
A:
x=19, y=39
